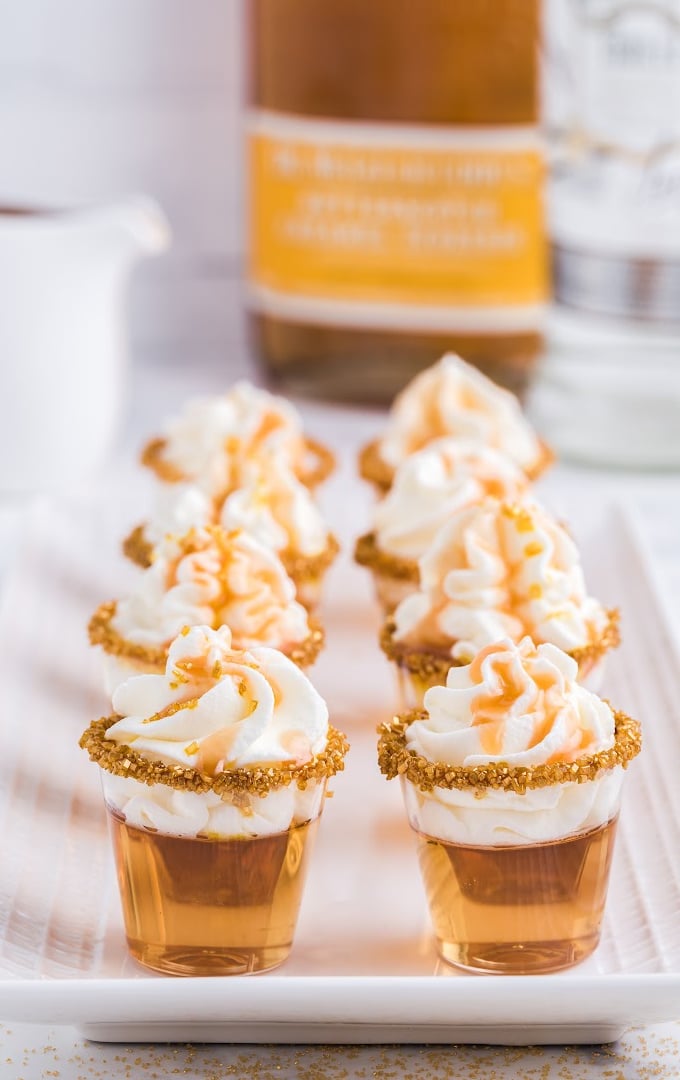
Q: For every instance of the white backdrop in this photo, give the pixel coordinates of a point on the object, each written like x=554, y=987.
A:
x=99, y=98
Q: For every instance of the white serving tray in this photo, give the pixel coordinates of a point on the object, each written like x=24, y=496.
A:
x=363, y=967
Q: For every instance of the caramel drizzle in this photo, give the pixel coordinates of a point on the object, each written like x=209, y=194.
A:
x=491, y=708
x=515, y=602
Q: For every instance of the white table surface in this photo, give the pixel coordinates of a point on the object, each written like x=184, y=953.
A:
x=35, y=1052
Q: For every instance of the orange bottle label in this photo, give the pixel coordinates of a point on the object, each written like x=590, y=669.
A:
x=396, y=225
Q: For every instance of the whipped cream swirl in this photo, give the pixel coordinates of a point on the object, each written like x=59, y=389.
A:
x=217, y=709
x=518, y=704
x=213, y=577
x=454, y=398
x=500, y=570
x=213, y=436
x=177, y=509
x=434, y=483
x=274, y=506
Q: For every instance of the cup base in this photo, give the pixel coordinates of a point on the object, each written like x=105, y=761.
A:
x=511, y=958
x=518, y=910
x=195, y=906
x=188, y=960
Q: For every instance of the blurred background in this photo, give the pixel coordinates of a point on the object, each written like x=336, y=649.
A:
x=102, y=99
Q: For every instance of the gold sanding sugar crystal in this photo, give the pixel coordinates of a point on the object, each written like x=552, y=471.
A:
x=535, y=548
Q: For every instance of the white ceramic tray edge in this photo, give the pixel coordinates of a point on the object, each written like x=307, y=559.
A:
x=388, y=1000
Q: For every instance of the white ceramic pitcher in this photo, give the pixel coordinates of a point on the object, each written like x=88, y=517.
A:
x=63, y=336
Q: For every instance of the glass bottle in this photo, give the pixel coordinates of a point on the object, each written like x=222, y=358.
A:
x=609, y=391
x=395, y=186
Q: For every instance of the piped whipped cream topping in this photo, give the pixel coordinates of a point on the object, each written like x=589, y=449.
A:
x=269, y=502
x=214, y=577
x=177, y=509
x=213, y=436
x=454, y=398
x=519, y=704
x=217, y=709
x=434, y=483
x=500, y=570
x=275, y=507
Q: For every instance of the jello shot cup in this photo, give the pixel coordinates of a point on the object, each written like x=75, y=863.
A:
x=429, y=486
x=452, y=399
x=226, y=577
x=496, y=569
x=214, y=778
x=512, y=778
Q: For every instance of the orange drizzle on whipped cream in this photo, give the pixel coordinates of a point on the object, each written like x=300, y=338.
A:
x=218, y=708
x=517, y=686
x=500, y=569
x=215, y=576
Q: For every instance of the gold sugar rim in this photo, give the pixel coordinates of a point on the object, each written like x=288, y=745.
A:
x=373, y=468
x=137, y=548
x=609, y=639
x=394, y=759
x=301, y=568
x=152, y=458
x=428, y=664
x=122, y=760
x=102, y=632
x=367, y=553
x=323, y=463
x=306, y=568
x=424, y=664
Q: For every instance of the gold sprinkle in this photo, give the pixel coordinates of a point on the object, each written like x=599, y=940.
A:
x=534, y=548
x=185, y=630
x=217, y=670
x=191, y=749
x=520, y=515
x=170, y=710
x=535, y=591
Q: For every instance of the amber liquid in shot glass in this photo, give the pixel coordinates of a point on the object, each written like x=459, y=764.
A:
x=518, y=910
x=195, y=906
